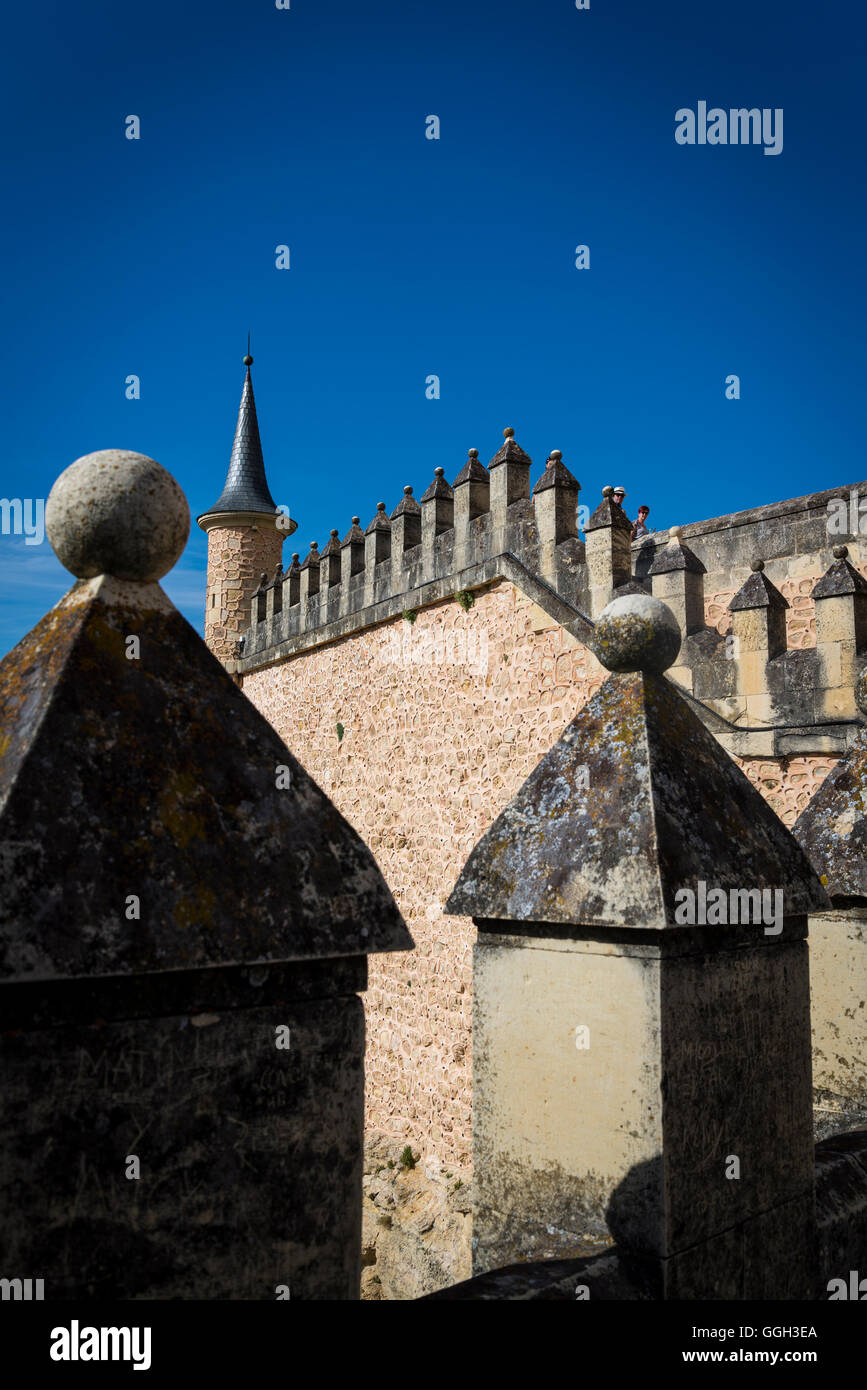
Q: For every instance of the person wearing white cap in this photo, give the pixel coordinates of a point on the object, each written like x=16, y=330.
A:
x=617, y=497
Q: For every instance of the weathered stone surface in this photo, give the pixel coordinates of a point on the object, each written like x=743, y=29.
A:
x=833, y=827
x=115, y=512
x=161, y=817
x=250, y=1155
x=613, y=822
x=416, y=1222
x=636, y=633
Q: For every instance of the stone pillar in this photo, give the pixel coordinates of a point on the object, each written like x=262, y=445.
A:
x=437, y=516
x=309, y=588
x=351, y=560
x=833, y=831
x=608, y=552
x=555, y=498
x=405, y=535
x=641, y=1068
x=509, y=472
x=841, y=633
x=329, y=575
x=181, y=947
x=377, y=548
x=292, y=585
x=759, y=628
x=472, y=493
x=676, y=580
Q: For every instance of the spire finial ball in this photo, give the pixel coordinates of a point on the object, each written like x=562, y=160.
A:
x=607, y=491
x=509, y=433
x=248, y=361
x=119, y=513
x=473, y=453
x=675, y=533
x=356, y=521
x=439, y=472
x=840, y=552
x=637, y=633
x=555, y=455
x=334, y=531
x=757, y=566
x=407, y=492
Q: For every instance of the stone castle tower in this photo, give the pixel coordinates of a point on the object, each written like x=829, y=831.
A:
x=245, y=532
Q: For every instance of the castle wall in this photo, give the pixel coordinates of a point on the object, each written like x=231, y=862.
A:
x=443, y=720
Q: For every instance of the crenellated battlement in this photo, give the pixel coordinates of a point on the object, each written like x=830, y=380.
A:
x=458, y=537
x=772, y=610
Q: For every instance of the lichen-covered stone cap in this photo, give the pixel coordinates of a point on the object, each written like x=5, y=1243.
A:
x=636, y=633
x=635, y=802
x=118, y=513
x=176, y=793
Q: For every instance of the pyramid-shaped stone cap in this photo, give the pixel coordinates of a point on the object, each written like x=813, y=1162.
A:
x=313, y=559
x=473, y=471
x=380, y=520
x=676, y=556
x=355, y=535
x=832, y=828
x=510, y=452
x=557, y=475
x=407, y=506
x=142, y=772
x=757, y=592
x=635, y=802
x=841, y=578
x=333, y=546
x=438, y=488
x=608, y=514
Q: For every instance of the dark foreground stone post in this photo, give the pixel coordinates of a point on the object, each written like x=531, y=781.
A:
x=641, y=1000
x=184, y=925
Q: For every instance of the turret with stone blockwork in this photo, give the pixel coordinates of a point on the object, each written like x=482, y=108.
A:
x=245, y=532
x=641, y=1016
x=184, y=925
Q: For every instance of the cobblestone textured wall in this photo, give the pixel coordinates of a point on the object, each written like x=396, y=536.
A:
x=787, y=784
x=443, y=720
x=237, y=557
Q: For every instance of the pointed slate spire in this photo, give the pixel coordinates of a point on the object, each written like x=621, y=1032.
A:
x=246, y=487
x=614, y=820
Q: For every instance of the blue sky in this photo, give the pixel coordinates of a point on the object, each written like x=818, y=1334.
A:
x=412, y=257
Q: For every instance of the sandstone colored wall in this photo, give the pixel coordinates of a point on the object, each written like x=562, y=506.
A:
x=237, y=557
x=432, y=752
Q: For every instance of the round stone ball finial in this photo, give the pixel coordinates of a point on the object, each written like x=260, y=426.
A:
x=509, y=433
x=757, y=566
x=675, y=533
x=554, y=456
x=840, y=552
x=636, y=633
x=356, y=521
x=607, y=491
x=473, y=454
x=407, y=492
x=335, y=532
x=119, y=513
x=248, y=361
x=861, y=692
x=438, y=473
